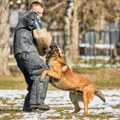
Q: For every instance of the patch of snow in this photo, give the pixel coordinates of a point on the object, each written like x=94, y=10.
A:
x=60, y=98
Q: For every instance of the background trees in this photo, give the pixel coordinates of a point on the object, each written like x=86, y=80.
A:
x=73, y=17
x=4, y=37
x=77, y=16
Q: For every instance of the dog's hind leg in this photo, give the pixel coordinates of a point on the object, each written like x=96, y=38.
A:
x=88, y=94
x=74, y=97
x=85, y=101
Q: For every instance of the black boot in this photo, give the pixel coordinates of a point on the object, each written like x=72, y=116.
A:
x=43, y=107
x=40, y=107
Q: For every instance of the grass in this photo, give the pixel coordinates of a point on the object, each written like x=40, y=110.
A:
x=102, y=77
x=12, y=82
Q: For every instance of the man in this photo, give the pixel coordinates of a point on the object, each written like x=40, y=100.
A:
x=28, y=59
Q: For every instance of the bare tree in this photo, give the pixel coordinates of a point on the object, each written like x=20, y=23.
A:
x=75, y=30
x=67, y=32
x=4, y=37
x=71, y=30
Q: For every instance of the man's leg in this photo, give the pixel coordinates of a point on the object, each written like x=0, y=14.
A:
x=38, y=91
x=39, y=88
x=34, y=66
x=26, y=106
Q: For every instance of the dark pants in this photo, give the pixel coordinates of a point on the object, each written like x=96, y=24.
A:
x=32, y=66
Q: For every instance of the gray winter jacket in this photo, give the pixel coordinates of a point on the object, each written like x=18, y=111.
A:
x=23, y=38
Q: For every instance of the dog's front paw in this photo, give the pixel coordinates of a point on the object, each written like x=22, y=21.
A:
x=43, y=75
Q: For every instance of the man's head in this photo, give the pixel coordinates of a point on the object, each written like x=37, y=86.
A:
x=37, y=7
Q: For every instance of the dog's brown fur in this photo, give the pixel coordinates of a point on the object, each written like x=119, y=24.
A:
x=64, y=78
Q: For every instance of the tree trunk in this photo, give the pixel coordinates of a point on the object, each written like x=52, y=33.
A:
x=67, y=31
x=4, y=37
x=75, y=31
x=71, y=30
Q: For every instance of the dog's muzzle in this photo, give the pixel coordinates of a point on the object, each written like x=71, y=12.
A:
x=48, y=53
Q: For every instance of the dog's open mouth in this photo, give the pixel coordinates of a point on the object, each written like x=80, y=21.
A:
x=51, y=51
x=48, y=53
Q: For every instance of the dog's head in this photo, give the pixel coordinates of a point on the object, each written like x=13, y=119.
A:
x=54, y=51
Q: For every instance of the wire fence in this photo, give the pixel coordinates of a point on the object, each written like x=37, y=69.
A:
x=101, y=48
x=97, y=49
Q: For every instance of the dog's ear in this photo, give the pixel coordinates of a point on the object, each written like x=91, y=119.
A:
x=60, y=52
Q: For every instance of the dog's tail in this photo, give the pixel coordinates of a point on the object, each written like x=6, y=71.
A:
x=99, y=94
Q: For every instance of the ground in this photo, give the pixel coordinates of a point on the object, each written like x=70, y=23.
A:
x=12, y=93
x=11, y=102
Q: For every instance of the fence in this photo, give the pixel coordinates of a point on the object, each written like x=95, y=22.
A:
x=98, y=48
x=101, y=48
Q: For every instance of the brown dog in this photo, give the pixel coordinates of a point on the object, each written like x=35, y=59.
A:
x=62, y=77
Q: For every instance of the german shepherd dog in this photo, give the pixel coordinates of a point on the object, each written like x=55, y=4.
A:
x=62, y=77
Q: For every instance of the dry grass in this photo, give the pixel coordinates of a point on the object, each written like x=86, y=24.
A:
x=101, y=77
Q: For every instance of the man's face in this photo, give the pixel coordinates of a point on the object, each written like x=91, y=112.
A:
x=38, y=9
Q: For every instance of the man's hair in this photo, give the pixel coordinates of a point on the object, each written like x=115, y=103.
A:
x=36, y=3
